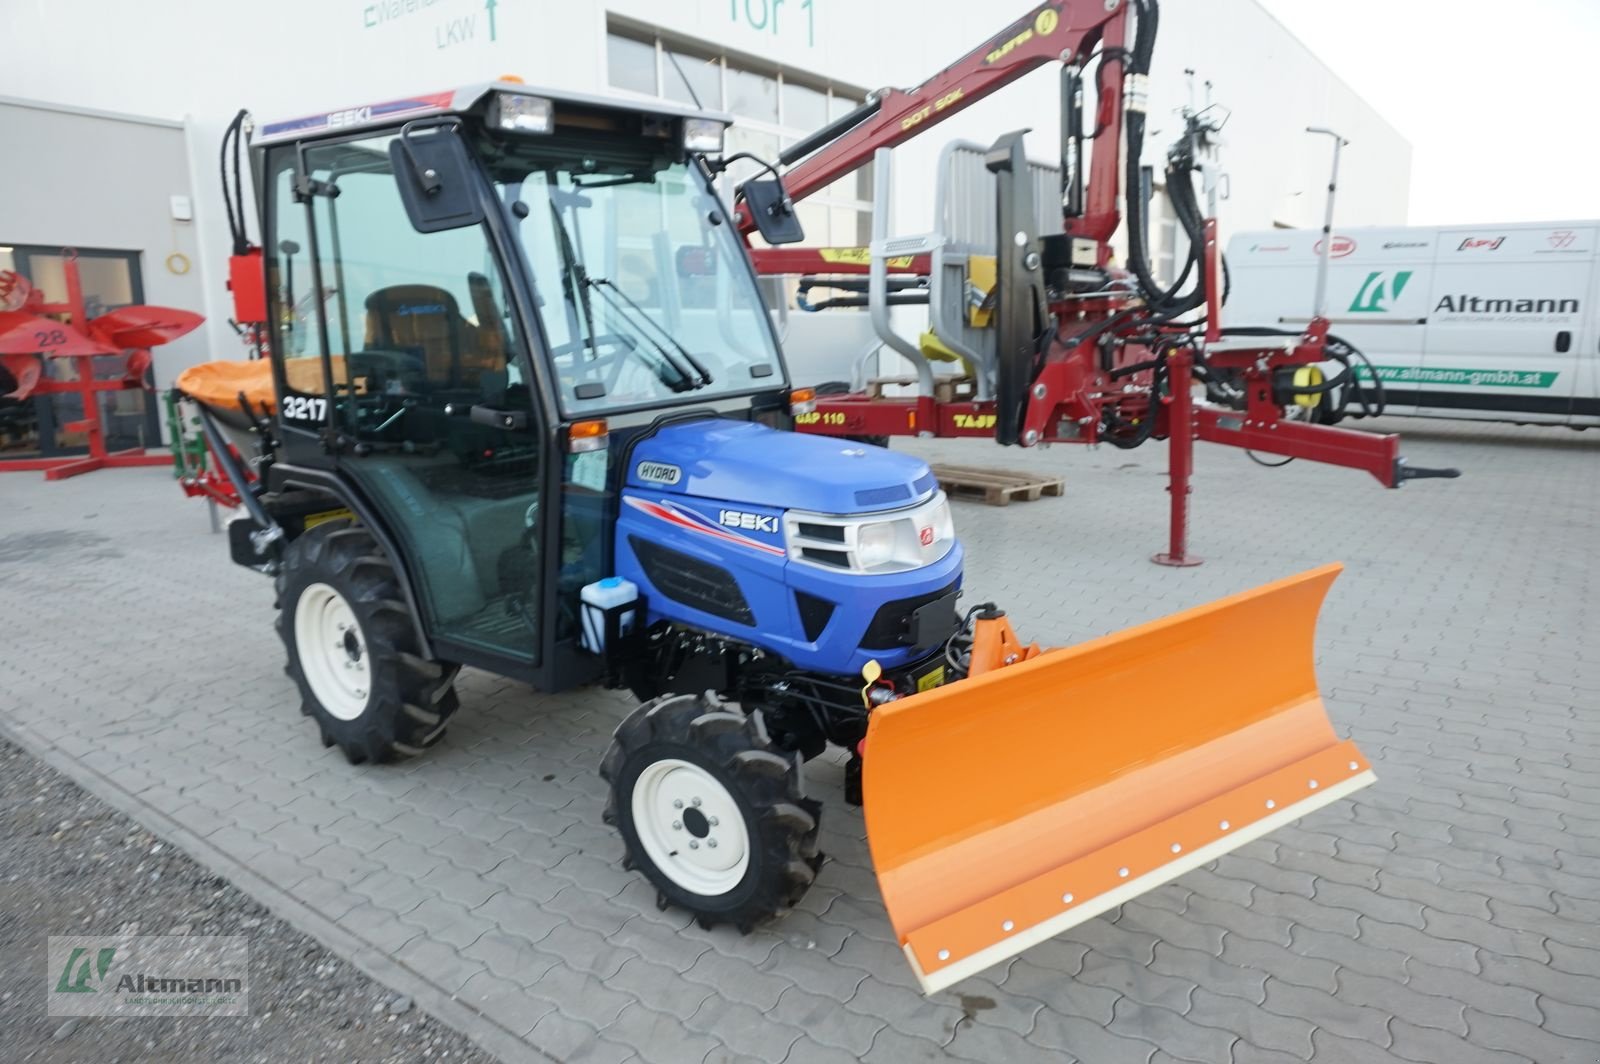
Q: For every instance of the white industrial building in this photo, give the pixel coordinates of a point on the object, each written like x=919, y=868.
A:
x=119, y=143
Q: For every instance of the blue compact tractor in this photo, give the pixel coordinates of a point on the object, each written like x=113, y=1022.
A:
x=523, y=409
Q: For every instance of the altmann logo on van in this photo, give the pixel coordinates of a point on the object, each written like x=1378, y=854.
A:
x=1376, y=292
x=1464, y=304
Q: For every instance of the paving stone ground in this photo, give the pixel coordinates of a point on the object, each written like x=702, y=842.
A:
x=1447, y=914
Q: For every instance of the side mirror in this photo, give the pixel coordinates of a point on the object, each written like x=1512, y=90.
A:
x=433, y=172
x=773, y=211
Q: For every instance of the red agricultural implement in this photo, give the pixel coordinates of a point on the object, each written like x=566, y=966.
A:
x=1073, y=348
x=29, y=337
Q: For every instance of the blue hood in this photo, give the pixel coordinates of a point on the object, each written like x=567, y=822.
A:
x=743, y=462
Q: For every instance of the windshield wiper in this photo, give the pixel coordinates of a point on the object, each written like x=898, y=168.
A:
x=576, y=283
x=577, y=294
x=643, y=315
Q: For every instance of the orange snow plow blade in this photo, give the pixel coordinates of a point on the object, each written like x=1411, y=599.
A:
x=1007, y=807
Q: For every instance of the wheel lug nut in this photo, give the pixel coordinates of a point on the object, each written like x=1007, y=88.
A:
x=713, y=821
x=694, y=801
x=677, y=825
x=711, y=843
x=693, y=845
x=677, y=803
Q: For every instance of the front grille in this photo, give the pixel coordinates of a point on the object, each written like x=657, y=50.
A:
x=692, y=582
x=891, y=625
x=832, y=533
x=838, y=558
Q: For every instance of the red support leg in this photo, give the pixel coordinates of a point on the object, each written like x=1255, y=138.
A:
x=1180, y=457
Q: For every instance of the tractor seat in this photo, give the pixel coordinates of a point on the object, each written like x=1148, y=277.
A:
x=425, y=321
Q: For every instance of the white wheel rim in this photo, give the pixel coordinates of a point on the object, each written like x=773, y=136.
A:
x=691, y=827
x=333, y=651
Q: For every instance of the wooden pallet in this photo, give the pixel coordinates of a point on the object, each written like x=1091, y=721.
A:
x=995, y=486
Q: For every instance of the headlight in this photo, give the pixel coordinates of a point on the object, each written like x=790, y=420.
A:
x=893, y=541
x=703, y=135
x=875, y=544
x=516, y=113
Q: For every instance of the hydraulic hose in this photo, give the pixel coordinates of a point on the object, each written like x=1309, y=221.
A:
x=233, y=199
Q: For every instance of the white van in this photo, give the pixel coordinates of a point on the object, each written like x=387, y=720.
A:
x=1495, y=322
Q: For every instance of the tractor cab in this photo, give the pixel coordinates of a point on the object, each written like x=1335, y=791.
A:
x=478, y=302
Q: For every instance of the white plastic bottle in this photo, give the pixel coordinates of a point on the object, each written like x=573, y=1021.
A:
x=599, y=597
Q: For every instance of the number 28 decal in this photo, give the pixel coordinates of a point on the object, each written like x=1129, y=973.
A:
x=304, y=408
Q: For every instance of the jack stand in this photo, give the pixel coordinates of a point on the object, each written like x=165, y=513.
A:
x=1180, y=458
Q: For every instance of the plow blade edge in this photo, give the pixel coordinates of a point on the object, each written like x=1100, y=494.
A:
x=1003, y=809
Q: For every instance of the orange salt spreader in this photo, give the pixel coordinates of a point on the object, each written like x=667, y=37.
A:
x=1048, y=787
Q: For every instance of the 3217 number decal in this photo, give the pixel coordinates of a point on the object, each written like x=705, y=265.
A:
x=304, y=408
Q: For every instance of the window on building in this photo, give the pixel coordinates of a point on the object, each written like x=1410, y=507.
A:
x=772, y=107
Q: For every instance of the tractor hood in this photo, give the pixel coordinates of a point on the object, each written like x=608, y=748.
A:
x=743, y=462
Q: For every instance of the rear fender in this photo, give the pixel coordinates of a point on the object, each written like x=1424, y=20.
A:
x=339, y=494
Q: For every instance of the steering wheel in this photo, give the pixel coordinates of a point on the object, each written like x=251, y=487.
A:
x=392, y=379
x=382, y=368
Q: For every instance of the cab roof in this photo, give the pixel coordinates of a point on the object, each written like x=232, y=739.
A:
x=458, y=101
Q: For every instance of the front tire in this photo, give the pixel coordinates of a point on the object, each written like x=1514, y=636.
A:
x=710, y=812
x=353, y=651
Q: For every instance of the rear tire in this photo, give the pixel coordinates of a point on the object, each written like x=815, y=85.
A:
x=353, y=651
x=710, y=812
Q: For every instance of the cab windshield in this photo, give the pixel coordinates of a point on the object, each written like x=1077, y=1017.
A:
x=640, y=283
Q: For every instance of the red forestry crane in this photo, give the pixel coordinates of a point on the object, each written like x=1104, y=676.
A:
x=1085, y=351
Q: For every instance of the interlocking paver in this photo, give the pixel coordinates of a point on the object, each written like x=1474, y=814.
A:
x=737, y=980
x=1173, y=928
x=1581, y=1022
x=1256, y=1026
x=1327, y=1011
x=893, y=1047
x=1453, y=649
x=1429, y=1046
x=1284, y=964
x=1089, y=1041
x=1142, y=984
x=806, y=1051
x=1167, y=1028
x=1350, y=953
x=1514, y=1036
x=823, y=1020
x=518, y=916
x=743, y=1029
x=659, y=1036
x=1208, y=972
x=1388, y=995
x=567, y=1039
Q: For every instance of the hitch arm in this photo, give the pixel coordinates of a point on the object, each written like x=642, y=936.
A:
x=1378, y=455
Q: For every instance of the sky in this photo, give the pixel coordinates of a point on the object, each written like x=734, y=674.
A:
x=1498, y=99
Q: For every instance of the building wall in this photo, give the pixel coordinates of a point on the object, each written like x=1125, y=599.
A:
x=105, y=181
x=180, y=60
